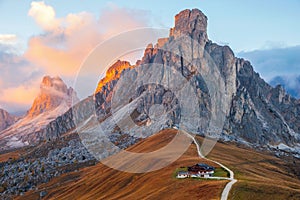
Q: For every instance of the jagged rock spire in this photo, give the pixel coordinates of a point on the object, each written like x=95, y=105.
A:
x=192, y=23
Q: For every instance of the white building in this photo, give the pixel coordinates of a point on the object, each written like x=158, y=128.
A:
x=182, y=174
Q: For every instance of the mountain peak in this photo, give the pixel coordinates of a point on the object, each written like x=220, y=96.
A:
x=53, y=92
x=55, y=82
x=190, y=22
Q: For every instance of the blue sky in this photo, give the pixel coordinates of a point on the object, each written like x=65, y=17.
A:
x=41, y=37
x=244, y=25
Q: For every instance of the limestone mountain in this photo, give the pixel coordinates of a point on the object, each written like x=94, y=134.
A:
x=54, y=99
x=6, y=119
x=142, y=99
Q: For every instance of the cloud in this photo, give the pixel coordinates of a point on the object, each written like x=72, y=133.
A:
x=18, y=98
x=68, y=40
x=15, y=69
x=275, y=62
x=18, y=81
x=44, y=16
x=8, y=38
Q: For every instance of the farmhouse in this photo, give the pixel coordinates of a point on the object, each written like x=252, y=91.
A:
x=199, y=170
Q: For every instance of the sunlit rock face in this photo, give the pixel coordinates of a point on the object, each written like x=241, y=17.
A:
x=113, y=73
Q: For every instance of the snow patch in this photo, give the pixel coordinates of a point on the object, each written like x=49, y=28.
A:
x=14, y=142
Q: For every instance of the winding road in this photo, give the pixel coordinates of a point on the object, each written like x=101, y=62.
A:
x=232, y=181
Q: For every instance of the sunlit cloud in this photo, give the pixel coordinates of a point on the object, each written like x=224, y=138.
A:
x=17, y=98
x=8, y=38
x=44, y=16
x=19, y=81
x=71, y=38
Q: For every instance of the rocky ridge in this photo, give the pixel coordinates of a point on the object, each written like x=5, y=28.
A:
x=290, y=84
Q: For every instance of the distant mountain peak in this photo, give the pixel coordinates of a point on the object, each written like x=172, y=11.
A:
x=54, y=99
x=53, y=92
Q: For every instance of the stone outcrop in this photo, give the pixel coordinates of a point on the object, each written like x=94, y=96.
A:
x=66, y=122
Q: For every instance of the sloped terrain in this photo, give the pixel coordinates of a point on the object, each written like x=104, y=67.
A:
x=101, y=182
x=260, y=176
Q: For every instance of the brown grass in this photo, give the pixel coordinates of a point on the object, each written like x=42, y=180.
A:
x=260, y=175
x=102, y=182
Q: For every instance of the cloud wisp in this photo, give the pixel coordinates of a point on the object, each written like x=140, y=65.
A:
x=275, y=62
x=290, y=83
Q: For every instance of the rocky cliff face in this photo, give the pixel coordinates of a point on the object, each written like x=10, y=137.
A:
x=260, y=114
x=154, y=93
x=6, y=119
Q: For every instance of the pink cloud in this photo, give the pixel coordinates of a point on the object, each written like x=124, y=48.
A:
x=70, y=39
x=44, y=16
x=18, y=98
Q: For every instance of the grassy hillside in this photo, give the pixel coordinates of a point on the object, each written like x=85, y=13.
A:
x=260, y=175
x=101, y=182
